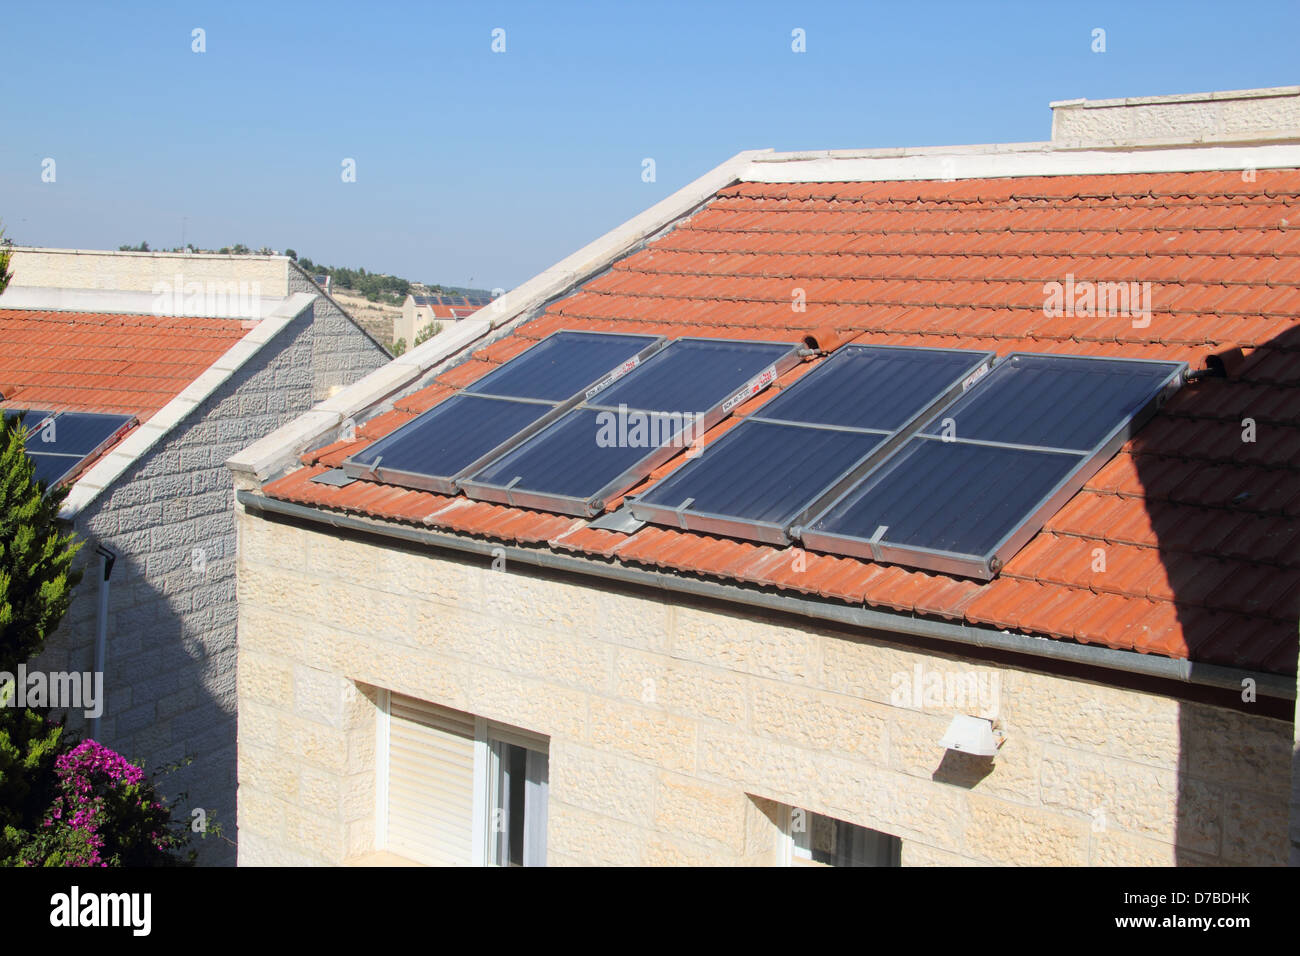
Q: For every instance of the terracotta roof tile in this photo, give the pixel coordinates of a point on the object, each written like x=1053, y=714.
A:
x=84, y=361
x=1200, y=531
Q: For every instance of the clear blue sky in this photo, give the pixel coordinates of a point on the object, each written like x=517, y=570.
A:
x=483, y=167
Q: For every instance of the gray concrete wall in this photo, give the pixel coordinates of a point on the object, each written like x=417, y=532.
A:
x=342, y=351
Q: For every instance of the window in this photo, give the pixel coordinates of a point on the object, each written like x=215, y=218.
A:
x=517, y=798
x=816, y=840
x=459, y=790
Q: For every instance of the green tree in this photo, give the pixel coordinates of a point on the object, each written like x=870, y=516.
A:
x=62, y=803
x=36, y=581
x=36, y=573
x=428, y=332
x=399, y=347
x=291, y=254
x=29, y=746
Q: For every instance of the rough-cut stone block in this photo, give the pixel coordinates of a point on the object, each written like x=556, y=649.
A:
x=598, y=840
x=1001, y=832
x=700, y=813
x=821, y=721
x=648, y=735
x=596, y=781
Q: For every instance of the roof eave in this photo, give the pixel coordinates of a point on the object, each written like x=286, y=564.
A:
x=1277, y=686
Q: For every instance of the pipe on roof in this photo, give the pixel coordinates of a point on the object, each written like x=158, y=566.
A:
x=824, y=339
x=1145, y=665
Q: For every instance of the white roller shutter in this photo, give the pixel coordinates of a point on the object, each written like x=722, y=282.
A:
x=430, y=782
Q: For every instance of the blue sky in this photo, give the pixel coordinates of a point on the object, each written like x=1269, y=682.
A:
x=484, y=168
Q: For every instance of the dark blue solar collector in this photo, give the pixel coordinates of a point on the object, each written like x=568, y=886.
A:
x=808, y=443
x=600, y=449
x=59, y=443
x=984, y=474
x=500, y=410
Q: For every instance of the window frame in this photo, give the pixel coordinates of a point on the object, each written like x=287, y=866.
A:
x=488, y=736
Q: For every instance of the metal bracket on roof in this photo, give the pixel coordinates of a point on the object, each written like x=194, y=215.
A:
x=510, y=499
x=621, y=520
x=874, y=541
x=373, y=468
x=335, y=477
x=680, y=509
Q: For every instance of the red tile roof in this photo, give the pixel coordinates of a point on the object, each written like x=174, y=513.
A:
x=1200, y=532
x=78, y=361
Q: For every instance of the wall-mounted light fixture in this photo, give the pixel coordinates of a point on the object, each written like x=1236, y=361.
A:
x=973, y=735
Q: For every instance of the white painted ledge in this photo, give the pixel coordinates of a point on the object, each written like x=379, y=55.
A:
x=114, y=302
x=129, y=450
x=1012, y=160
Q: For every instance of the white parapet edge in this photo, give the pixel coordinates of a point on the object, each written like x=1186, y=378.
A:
x=1012, y=160
x=36, y=298
x=101, y=475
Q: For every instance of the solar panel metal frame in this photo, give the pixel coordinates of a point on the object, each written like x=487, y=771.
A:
x=450, y=484
x=591, y=506
x=771, y=532
x=986, y=566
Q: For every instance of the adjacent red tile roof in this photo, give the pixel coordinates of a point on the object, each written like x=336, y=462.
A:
x=452, y=312
x=78, y=361
x=1200, y=531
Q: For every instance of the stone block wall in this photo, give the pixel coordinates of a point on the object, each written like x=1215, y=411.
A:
x=142, y=271
x=342, y=351
x=678, y=728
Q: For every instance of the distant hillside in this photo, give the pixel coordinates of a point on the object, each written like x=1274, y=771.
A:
x=373, y=286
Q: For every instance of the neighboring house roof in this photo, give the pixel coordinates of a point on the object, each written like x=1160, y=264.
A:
x=1199, y=529
x=97, y=362
x=457, y=300
x=451, y=306
x=155, y=367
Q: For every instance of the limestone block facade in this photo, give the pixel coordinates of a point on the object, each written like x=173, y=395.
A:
x=680, y=730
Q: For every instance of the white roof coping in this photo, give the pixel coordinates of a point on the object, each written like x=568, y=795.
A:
x=1014, y=160
x=152, y=253
x=1266, y=92
x=139, y=441
x=119, y=302
x=281, y=447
